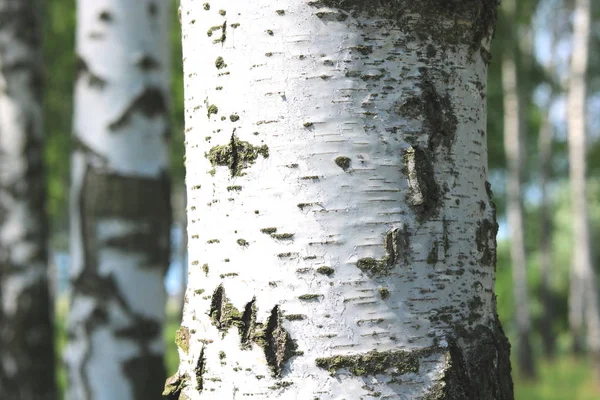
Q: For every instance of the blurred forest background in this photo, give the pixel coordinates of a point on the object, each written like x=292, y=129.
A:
x=537, y=35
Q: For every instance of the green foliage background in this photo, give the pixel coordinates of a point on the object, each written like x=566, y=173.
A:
x=565, y=378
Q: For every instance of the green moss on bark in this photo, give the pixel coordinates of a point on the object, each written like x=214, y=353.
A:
x=237, y=155
x=372, y=363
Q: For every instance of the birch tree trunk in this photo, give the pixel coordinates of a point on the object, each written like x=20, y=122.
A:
x=545, y=251
x=583, y=305
x=513, y=148
x=26, y=331
x=120, y=200
x=341, y=230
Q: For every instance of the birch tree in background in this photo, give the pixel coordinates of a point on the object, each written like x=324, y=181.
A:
x=513, y=148
x=583, y=301
x=26, y=331
x=545, y=139
x=340, y=223
x=120, y=206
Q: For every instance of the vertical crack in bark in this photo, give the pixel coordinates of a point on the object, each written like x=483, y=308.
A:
x=199, y=370
x=248, y=324
x=277, y=342
x=222, y=312
x=234, y=153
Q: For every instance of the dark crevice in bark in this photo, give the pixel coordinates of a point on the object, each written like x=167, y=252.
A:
x=150, y=103
x=199, y=370
x=248, y=324
x=277, y=342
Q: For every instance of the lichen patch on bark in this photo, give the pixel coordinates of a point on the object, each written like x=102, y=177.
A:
x=236, y=155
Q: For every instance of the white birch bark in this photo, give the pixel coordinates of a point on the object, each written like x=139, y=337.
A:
x=583, y=301
x=120, y=206
x=26, y=328
x=341, y=237
x=513, y=148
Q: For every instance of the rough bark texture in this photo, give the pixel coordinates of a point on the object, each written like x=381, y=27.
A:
x=120, y=200
x=583, y=301
x=514, y=150
x=26, y=332
x=341, y=230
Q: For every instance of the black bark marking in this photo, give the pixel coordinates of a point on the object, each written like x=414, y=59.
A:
x=485, y=239
x=199, y=370
x=148, y=63
x=150, y=103
x=105, y=16
x=152, y=9
x=82, y=70
x=248, y=324
x=439, y=120
x=477, y=366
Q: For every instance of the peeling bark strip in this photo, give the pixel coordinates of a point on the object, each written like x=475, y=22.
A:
x=120, y=201
x=336, y=166
x=26, y=322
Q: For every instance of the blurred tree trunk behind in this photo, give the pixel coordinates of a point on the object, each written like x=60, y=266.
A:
x=514, y=149
x=584, y=315
x=120, y=200
x=26, y=323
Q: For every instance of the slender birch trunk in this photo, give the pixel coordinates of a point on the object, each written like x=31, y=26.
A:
x=183, y=254
x=120, y=200
x=545, y=251
x=26, y=322
x=513, y=148
x=340, y=223
x=583, y=305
